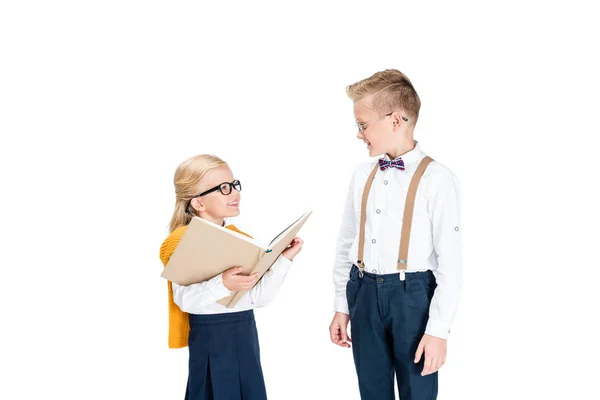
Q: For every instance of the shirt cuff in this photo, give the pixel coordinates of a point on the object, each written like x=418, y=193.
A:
x=341, y=305
x=217, y=287
x=282, y=262
x=280, y=268
x=438, y=329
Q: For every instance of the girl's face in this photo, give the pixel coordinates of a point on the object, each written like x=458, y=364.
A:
x=215, y=206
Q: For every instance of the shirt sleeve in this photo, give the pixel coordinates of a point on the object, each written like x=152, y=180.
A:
x=265, y=290
x=445, y=215
x=194, y=297
x=346, y=236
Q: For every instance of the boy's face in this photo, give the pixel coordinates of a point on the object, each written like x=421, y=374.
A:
x=379, y=135
x=216, y=204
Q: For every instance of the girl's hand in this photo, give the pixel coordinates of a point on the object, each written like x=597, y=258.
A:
x=293, y=248
x=235, y=281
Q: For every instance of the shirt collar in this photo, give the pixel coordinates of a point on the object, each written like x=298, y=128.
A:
x=408, y=157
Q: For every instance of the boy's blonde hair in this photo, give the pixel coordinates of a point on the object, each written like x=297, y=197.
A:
x=187, y=181
x=392, y=90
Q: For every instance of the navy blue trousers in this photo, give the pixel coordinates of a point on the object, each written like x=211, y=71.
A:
x=224, y=358
x=387, y=321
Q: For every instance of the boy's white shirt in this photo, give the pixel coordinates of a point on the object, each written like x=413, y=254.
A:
x=435, y=240
x=201, y=298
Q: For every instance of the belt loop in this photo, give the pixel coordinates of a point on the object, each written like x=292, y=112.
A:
x=406, y=285
x=361, y=268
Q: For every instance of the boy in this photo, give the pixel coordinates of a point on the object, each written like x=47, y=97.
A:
x=400, y=226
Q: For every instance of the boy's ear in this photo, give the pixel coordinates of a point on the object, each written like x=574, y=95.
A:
x=396, y=120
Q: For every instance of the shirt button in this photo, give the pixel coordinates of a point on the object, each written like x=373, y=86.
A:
x=378, y=211
x=373, y=241
x=374, y=271
x=385, y=182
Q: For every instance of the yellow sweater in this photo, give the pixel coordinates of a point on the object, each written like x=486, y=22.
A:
x=179, y=321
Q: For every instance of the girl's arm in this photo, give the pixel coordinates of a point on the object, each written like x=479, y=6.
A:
x=266, y=289
x=197, y=296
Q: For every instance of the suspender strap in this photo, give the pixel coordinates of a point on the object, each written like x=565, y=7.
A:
x=363, y=218
x=409, y=208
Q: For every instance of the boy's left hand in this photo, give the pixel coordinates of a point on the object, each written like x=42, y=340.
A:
x=293, y=248
x=435, y=353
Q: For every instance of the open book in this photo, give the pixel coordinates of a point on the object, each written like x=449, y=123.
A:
x=207, y=249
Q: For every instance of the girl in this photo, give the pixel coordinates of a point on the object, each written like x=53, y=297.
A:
x=224, y=355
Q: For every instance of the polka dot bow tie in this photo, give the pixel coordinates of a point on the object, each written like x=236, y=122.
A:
x=385, y=164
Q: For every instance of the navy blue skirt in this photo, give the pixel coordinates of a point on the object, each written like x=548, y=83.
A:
x=224, y=358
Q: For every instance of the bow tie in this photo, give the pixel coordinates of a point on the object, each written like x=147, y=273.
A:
x=385, y=164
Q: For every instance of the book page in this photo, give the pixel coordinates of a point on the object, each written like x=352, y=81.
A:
x=282, y=232
x=295, y=227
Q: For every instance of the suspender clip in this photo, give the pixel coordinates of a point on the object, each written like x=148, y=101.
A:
x=402, y=271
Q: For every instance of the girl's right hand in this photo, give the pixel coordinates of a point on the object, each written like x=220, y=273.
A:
x=235, y=281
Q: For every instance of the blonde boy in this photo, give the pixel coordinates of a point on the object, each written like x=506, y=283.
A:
x=398, y=264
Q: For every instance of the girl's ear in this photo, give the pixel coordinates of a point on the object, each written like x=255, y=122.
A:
x=196, y=203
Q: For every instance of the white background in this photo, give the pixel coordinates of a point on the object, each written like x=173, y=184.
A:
x=100, y=101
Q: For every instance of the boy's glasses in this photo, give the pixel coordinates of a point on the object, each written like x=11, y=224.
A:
x=225, y=188
x=361, y=127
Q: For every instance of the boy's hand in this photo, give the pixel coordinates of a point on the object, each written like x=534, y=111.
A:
x=338, y=330
x=293, y=248
x=235, y=281
x=435, y=353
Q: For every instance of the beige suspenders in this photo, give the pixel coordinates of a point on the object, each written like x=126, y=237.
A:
x=406, y=221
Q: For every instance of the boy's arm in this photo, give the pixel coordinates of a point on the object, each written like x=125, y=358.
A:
x=445, y=216
x=341, y=269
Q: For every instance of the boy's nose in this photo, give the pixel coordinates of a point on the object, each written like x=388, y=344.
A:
x=359, y=136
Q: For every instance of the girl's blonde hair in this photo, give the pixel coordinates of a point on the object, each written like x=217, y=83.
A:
x=187, y=181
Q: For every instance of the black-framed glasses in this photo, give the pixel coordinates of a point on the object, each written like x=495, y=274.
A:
x=225, y=188
x=361, y=127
